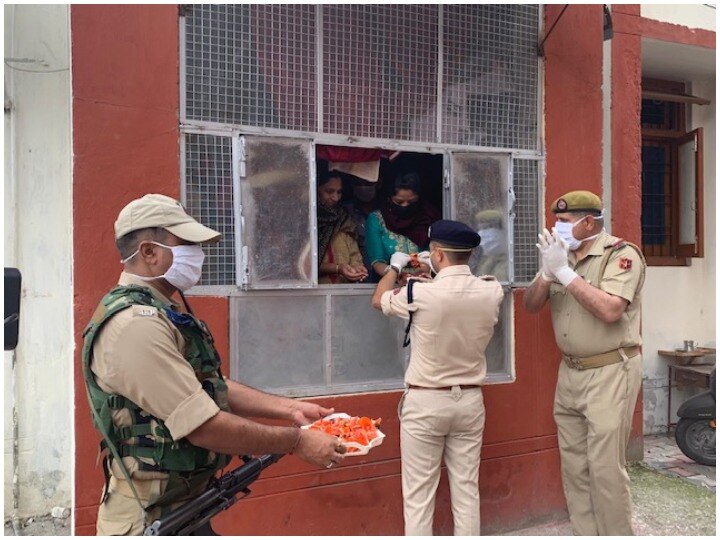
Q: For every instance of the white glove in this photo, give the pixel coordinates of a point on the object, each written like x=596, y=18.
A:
x=545, y=238
x=424, y=257
x=399, y=260
x=555, y=259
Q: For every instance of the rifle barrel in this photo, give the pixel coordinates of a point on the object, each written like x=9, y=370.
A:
x=221, y=496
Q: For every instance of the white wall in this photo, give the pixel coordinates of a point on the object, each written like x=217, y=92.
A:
x=38, y=240
x=690, y=15
x=679, y=302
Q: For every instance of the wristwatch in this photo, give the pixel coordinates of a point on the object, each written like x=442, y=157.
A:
x=389, y=266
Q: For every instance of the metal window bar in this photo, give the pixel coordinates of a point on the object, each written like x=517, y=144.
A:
x=389, y=72
x=526, y=182
x=209, y=198
x=490, y=75
x=251, y=65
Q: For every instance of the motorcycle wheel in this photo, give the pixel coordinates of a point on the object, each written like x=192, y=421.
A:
x=696, y=439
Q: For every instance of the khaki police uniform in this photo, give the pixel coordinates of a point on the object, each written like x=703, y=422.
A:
x=594, y=406
x=453, y=320
x=139, y=355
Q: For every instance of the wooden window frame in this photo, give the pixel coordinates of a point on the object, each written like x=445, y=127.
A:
x=680, y=254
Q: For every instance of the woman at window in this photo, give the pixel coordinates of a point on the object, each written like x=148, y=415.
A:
x=401, y=224
x=338, y=251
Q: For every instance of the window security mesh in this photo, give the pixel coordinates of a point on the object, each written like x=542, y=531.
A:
x=251, y=65
x=380, y=70
x=256, y=65
x=490, y=75
x=209, y=199
x=526, y=179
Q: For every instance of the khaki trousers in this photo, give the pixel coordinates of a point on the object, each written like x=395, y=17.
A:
x=593, y=412
x=437, y=424
x=120, y=514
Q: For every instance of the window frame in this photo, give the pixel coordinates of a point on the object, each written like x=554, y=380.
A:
x=671, y=138
x=535, y=154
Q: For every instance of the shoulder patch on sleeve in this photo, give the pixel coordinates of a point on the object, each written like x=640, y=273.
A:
x=144, y=311
x=625, y=263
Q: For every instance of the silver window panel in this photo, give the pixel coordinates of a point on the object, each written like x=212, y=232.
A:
x=366, y=346
x=277, y=200
x=309, y=343
x=332, y=342
x=499, y=354
x=480, y=183
x=279, y=342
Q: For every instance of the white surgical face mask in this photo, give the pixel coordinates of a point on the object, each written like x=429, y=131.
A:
x=565, y=230
x=492, y=241
x=186, y=267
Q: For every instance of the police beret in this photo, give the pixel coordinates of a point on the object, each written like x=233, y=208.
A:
x=453, y=233
x=577, y=201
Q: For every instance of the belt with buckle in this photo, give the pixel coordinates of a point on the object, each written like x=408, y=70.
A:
x=601, y=360
x=462, y=386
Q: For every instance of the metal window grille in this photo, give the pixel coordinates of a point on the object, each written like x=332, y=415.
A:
x=251, y=65
x=526, y=177
x=209, y=199
x=380, y=70
x=490, y=75
x=381, y=66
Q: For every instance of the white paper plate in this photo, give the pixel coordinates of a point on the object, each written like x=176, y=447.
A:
x=361, y=449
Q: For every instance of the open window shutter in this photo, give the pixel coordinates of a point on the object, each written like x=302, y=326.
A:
x=480, y=187
x=277, y=213
x=690, y=194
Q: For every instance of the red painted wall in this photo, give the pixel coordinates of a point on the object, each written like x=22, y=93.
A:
x=573, y=101
x=125, y=141
x=125, y=144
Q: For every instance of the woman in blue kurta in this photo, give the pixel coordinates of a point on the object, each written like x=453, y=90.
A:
x=401, y=223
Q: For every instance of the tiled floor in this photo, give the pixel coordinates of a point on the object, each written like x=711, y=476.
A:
x=663, y=455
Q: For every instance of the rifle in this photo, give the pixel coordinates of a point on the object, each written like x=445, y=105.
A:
x=220, y=496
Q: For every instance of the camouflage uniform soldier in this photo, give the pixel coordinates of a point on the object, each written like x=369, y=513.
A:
x=168, y=418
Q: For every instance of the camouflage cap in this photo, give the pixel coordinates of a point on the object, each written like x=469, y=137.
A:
x=577, y=201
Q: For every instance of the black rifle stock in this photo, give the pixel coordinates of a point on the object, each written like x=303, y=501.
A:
x=220, y=496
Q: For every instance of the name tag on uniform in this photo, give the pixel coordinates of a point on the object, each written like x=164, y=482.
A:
x=142, y=311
